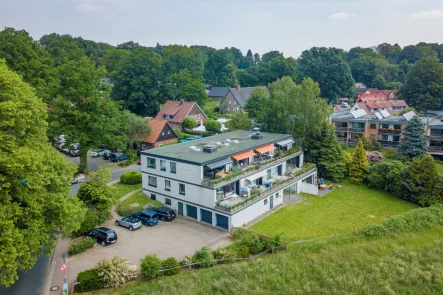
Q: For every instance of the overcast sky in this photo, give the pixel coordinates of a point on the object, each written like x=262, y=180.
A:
x=290, y=26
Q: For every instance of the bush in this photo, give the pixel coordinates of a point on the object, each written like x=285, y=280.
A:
x=116, y=271
x=125, y=211
x=171, y=263
x=189, y=123
x=81, y=245
x=212, y=125
x=240, y=251
x=150, y=266
x=417, y=219
x=90, y=221
x=390, y=154
x=203, y=257
x=238, y=233
x=89, y=280
x=125, y=163
x=132, y=155
x=374, y=157
x=185, y=261
x=253, y=242
x=132, y=177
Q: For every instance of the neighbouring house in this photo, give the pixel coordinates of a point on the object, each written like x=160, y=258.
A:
x=176, y=111
x=236, y=98
x=360, y=87
x=161, y=133
x=434, y=134
x=229, y=179
x=218, y=93
x=375, y=100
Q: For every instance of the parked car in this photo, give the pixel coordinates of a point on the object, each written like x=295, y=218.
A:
x=73, y=149
x=107, y=155
x=139, y=161
x=129, y=222
x=96, y=153
x=118, y=157
x=103, y=235
x=165, y=214
x=78, y=178
x=147, y=217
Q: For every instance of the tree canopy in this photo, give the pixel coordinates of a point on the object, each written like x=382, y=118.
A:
x=413, y=141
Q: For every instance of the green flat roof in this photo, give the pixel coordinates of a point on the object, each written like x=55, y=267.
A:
x=183, y=153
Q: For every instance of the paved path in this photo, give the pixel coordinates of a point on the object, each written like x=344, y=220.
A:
x=114, y=213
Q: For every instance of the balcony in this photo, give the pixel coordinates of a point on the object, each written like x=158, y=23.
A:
x=357, y=129
x=352, y=141
x=244, y=172
x=389, y=131
x=341, y=138
x=436, y=136
x=388, y=143
x=435, y=149
x=235, y=203
x=341, y=128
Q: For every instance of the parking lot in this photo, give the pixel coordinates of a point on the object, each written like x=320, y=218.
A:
x=177, y=239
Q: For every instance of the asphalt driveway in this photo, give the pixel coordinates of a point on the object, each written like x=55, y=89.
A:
x=177, y=239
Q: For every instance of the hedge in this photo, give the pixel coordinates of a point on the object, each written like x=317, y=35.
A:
x=131, y=177
x=171, y=264
x=150, y=266
x=417, y=219
x=89, y=280
x=126, y=211
x=81, y=245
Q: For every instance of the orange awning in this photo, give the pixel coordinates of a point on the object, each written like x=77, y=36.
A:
x=265, y=148
x=243, y=156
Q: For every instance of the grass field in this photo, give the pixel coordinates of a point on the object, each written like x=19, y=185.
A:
x=119, y=190
x=337, y=212
x=439, y=166
x=409, y=263
x=141, y=199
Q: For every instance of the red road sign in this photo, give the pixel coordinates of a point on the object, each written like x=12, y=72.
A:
x=63, y=267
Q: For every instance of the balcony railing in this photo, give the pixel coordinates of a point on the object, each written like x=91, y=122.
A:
x=356, y=129
x=341, y=138
x=390, y=131
x=389, y=143
x=238, y=174
x=341, y=128
x=436, y=136
x=352, y=141
x=259, y=195
x=435, y=148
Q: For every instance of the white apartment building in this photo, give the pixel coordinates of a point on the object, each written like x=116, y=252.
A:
x=227, y=180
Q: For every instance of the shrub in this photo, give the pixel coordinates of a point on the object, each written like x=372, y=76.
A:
x=125, y=163
x=239, y=251
x=89, y=280
x=125, y=211
x=185, y=261
x=81, y=245
x=131, y=177
x=390, y=154
x=116, y=271
x=238, y=233
x=212, y=125
x=254, y=244
x=171, y=263
x=90, y=221
x=203, y=257
x=150, y=266
x=132, y=155
x=374, y=157
x=417, y=219
x=189, y=123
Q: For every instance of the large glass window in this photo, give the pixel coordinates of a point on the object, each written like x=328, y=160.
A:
x=181, y=188
x=151, y=163
x=152, y=181
x=162, y=165
x=173, y=167
x=373, y=126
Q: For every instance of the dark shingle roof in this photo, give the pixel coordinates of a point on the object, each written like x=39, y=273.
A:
x=243, y=94
x=218, y=91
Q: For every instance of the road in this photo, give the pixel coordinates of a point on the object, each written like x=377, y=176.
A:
x=33, y=281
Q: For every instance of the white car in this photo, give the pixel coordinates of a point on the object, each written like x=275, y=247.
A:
x=78, y=178
x=99, y=153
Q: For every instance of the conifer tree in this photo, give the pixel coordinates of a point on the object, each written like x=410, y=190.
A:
x=358, y=164
x=413, y=141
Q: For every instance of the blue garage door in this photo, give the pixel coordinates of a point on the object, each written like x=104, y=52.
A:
x=222, y=221
x=206, y=216
x=191, y=211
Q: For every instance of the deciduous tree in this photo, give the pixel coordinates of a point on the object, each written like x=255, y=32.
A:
x=256, y=101
x=212, y=125
x=239, y=121
x=34, y=181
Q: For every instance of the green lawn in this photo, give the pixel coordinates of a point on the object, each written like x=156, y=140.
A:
x=409, y=263
x=439, y=166
x=141, y=199
x=119, y=190
x=337, y=212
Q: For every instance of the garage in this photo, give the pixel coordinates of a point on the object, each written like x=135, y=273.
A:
x=206, y=216
x=222, y=221
x=191, y=211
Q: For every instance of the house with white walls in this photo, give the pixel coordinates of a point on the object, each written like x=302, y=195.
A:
x=229, y=179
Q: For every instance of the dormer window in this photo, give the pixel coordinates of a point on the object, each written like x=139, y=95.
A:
x=168, y=117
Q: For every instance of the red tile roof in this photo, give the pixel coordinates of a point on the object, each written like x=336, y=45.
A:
x=173, y=107
x=157, y=126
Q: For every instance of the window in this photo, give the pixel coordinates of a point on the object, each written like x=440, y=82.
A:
x=143, y=146
x=385, y=126
x=151, y=163
x=168, y=201
x=153, y=197
x=181, y=188
x=265, y=201
x=277, y=195
x=169, y=132
x=162, y=165
x=373, y=126
x=167, y=185
x=198, y=116
x=152, y=181
x=173, y=167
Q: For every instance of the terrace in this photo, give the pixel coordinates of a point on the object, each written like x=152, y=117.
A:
x=389, y=131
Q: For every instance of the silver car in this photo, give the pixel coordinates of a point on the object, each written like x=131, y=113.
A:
x=130, y=222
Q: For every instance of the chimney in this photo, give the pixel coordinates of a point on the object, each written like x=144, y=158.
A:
x=182, y=102
x=237, y=87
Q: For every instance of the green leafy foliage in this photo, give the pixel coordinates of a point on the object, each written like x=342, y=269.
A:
x=189, y=123
x=116, y=271
x=239, y=121
x=89, y=222
x=171, y=264
x=131, y=177
x=371, y=144
x=212, y=125
x=150, y=266
x=387, y=175
x=34, y=186
x=203, y=257
x=417, y=219
x=358, y=164
x=81, y=245
x=256, y=101
x=253, y=242
x=89, y=280
x=413, y=142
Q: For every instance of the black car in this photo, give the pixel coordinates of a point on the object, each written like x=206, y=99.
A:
x=165, y=214
x=103, y=235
